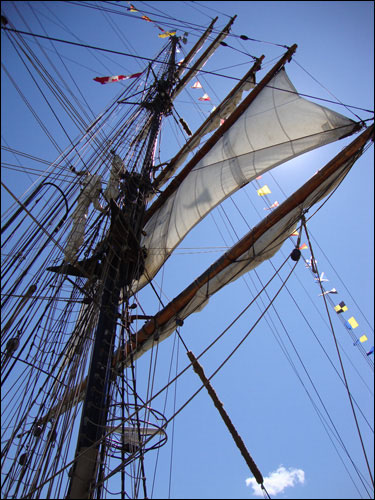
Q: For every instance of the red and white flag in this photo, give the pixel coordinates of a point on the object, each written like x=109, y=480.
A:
x=274, y=205
x=205, y=97
x=111, y=79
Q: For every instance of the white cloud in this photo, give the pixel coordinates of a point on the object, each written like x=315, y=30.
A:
x=277, y=481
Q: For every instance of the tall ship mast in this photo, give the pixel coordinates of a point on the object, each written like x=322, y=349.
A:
x=95, y=346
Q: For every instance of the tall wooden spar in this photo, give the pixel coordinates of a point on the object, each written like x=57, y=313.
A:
x=120, y=264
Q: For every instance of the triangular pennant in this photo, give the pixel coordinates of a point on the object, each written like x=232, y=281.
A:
x=329, y=291
x=196, y=85
x=117, y=78
x=205, y=97
x=363, y=339
x=303, y=247
x=274, y=205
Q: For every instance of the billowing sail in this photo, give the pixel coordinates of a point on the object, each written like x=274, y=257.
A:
x=278, y=126
x=258, y=245
x=263, y=249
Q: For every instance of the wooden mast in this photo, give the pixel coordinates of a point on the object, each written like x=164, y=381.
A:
x=118, y=271
x=196, y=47
x=78, y=392
x=172, y=309
x=203, y=58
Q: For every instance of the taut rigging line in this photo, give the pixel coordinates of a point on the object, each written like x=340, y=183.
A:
x=155, y=60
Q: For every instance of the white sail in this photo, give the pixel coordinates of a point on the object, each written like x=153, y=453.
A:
x=263, y=249
x=278, y=126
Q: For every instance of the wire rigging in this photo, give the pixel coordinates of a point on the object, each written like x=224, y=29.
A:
x=60, y=337
x=149, y=59
x=343, y=370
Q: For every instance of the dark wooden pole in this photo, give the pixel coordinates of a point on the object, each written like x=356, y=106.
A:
x=117, y=272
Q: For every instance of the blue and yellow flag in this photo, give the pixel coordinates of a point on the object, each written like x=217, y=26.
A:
x=351, y=323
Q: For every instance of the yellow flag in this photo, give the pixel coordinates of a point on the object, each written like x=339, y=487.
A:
x=352, y=322
x=166, y=34
x=264, y=190
x=363, y=338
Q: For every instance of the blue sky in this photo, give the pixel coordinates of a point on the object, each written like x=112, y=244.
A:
x=267, y=401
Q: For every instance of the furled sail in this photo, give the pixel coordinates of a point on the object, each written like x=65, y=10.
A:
x=278, y=126
x=203, y=59
x=90, y=194
x=184, y=63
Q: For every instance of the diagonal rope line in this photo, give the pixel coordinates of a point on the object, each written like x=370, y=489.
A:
x=341, y=363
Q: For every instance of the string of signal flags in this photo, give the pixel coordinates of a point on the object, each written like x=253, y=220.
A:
x=164, y=34
x=349, y=324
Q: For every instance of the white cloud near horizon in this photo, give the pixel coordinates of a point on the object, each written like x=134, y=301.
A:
x=277, y=481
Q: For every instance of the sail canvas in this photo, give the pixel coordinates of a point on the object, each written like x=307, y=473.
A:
x=278, y=126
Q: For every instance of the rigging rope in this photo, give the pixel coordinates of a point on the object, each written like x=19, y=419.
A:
x=150, y=384
x=342, y=366
x=295, y=369
x=186, y=67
